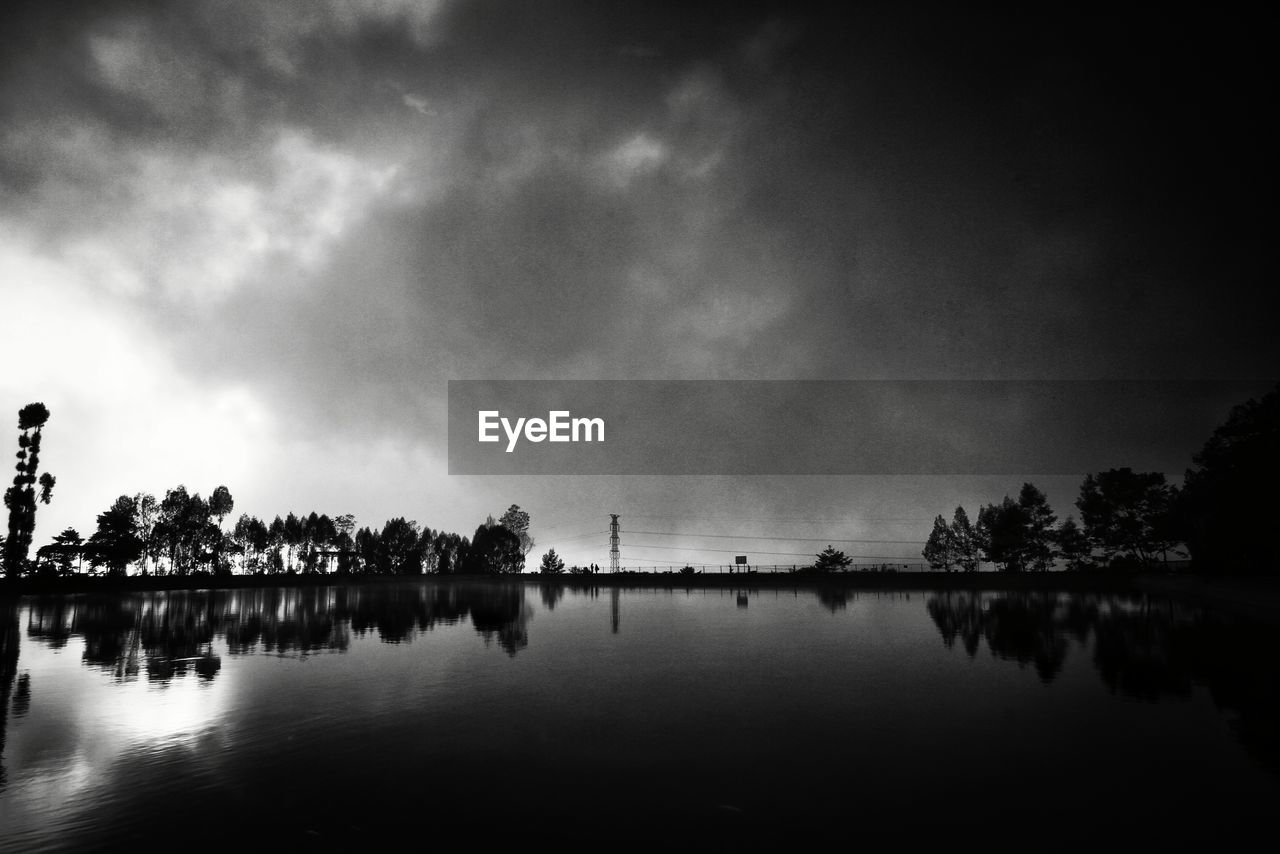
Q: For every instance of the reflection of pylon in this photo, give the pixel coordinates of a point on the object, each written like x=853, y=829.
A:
x=613, y=543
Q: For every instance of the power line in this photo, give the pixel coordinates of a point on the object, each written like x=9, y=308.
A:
x=555, y=539
x=831, y=540
x=582, y=520
x=644, y=561
x=562, y=522
x=904, y=520
x=739, y=551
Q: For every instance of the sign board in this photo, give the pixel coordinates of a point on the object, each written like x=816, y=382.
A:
x=740, y=559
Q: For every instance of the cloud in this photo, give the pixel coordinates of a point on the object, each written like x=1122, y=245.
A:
x=198, y=226
x=638, y=156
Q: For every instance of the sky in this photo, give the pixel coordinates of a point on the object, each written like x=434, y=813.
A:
x=250, y=243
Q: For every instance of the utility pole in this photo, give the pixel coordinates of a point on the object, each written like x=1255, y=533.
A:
x=613, y=543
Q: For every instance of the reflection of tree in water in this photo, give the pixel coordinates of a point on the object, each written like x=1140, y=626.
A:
x=551, y=593
x=1013, y=628
x=285, y=622
x=167, y=635
x=399, y=613
x=1021, y=627
x=1143, y=650
x=111, y=639
x=10, y=637
x=833, y=598
x=176, y=634
x=957, y=616
x=1136, y=654
x=499, y=610
x=50, y=620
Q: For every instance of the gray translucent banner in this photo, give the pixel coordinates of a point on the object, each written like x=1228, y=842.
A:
x=857, y=427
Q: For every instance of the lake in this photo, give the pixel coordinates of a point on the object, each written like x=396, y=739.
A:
x=339, y=717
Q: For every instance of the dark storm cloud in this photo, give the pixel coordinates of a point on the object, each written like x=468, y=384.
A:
x=675, y=190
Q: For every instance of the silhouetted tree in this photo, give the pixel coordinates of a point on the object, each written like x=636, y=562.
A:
x=1018, y=535
x=1127, y=513
x=146, y=517
x=516, y=521
x=292, y=539
x=1002, y=534
x=448, y=552
x=344, y=527
x=221, y=503
x=69, y=543
x=189, y=535
x=494, y=550
x=367, y=548
x=251, y=538
x=830, y=560
x=116, y=542
x=275, y=546
x=1229, y=502
x=964, y=541
x=939, y=550
x=20, y=499
x=399, y=552
x=1040, y=552
x=1073, y=545
x=551, y=563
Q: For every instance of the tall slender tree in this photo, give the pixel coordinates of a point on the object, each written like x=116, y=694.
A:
x=1040, y=541
x=220, y=505
x=964, y=541
x=146, y=517
x=21, y=498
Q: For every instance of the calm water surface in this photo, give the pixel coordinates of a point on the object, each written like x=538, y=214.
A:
x=343, y=716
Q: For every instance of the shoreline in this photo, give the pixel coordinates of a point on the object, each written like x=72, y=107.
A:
x=1255, y=597
x=1094, y=582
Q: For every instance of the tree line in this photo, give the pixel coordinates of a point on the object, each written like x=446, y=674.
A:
x=1221, y=515
x=184, y=533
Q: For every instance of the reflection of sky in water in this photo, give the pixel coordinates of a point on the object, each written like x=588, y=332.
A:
x=82, y=721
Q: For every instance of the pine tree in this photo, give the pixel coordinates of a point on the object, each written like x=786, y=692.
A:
x=551, y=563
x=830, y=560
